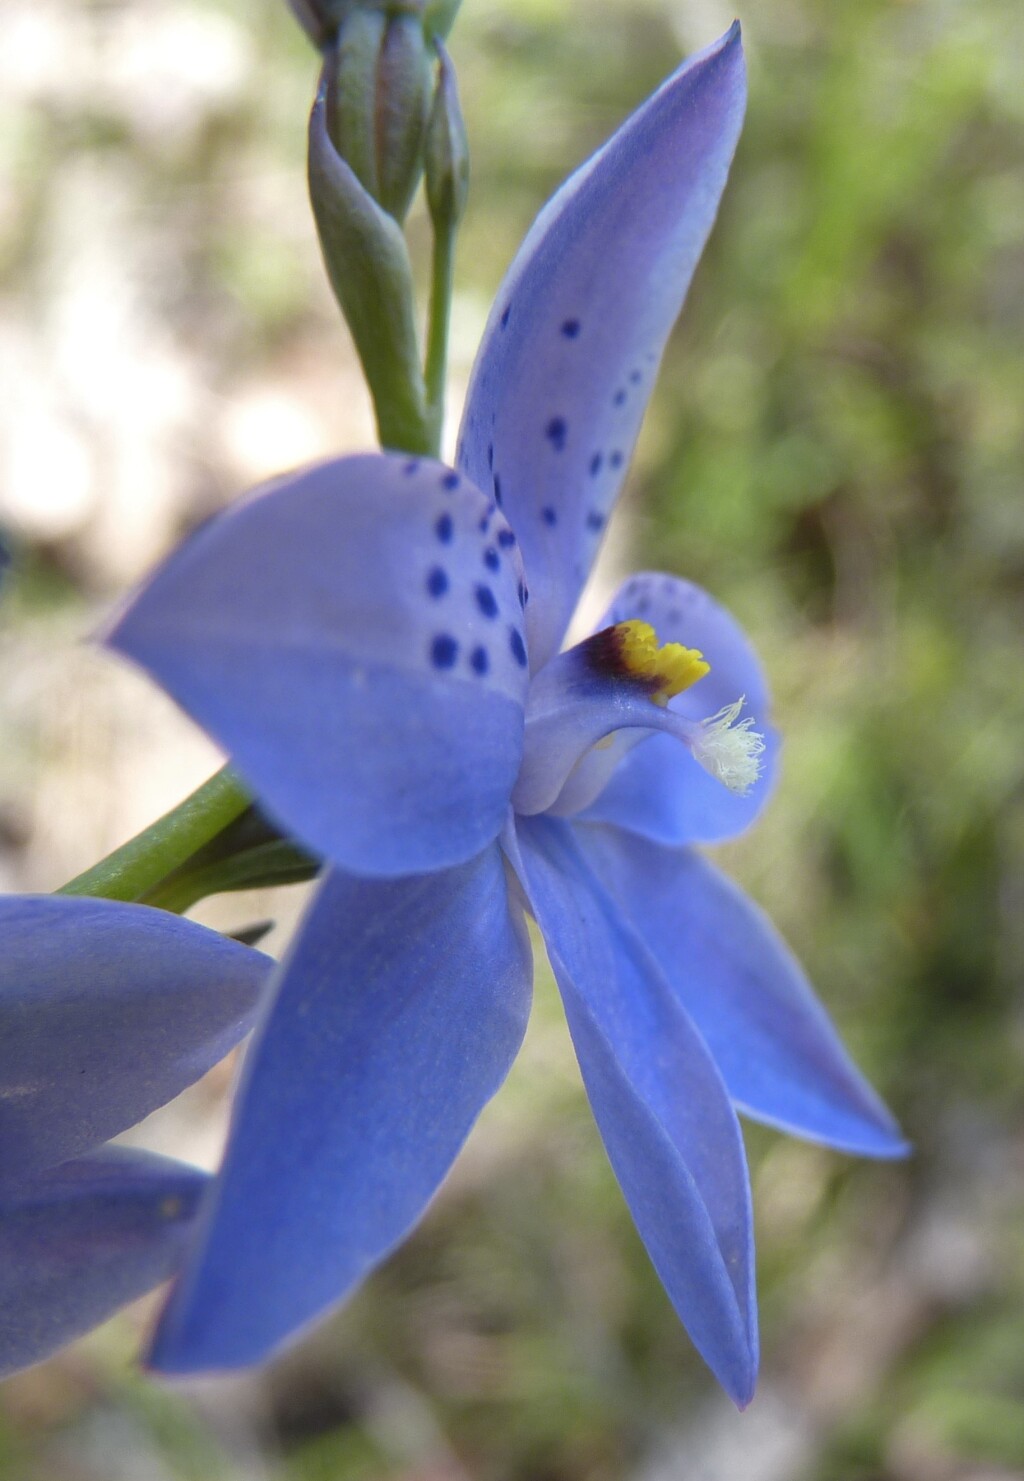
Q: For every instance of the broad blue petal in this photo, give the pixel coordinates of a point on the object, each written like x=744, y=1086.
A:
x=82, y=1240
x=660, y=1104
x=352, y=636
x=658, y=790
x=401, y=1008
x=569, y=356
x=778, y=1053
x=107, y=1010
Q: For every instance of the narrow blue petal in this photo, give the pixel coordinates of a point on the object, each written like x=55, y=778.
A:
x=777, y=1051
x=400, y=1010
x=107, y=1010
x=353, y=637
x=659, y=1102
x=82, y=1240
x=658, y=790
x=569, y=356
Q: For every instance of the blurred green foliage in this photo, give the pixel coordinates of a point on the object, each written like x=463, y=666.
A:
x=835, y=450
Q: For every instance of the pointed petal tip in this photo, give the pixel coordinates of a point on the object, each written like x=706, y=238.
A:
x=878, y=1137
x=740, y=1382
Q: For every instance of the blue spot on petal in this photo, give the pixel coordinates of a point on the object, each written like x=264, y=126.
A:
x=515, y=642
x=595, y=465
x=571, y=328
x=450, y=481
x=492, y=560
x=411, y=467
x=485, y=601
x=478, y=661
x=497, y=489
x=556, y=432
x=636, y=377
x=444, y=650
x=504, y=318
x=490, y=455
x=444, y=529
x=619, y=398
x=506, y=539
x=437, y=582
x=615, y=459
x=549, y=515
x=595, y=520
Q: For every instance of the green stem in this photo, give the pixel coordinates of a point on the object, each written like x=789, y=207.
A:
x=139, y=865
x=439, y=313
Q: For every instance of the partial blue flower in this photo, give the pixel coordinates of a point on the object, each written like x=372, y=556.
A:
x=144, y=1004
x=82, y=1240
x=375, y=641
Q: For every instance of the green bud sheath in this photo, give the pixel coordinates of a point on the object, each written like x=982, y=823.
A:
x=368, y=265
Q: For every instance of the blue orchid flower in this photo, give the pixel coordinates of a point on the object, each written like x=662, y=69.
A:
x=375, y=642
x=107, y=1011
x=81, y=1240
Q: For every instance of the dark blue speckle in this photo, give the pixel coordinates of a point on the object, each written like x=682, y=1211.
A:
x=437, y=582
x=595, y=520
x=515, y=642
x=571, y=328
x=504, y=318
x=479, y=661
x=497, y=489
x=522, y=594
x=411, y=467
x=492, y=560
x=636, y=377
x=484, y=524
x=444, y=529
x=556, y=432
x=450, y=480
x=549, y=515
x=485, y=601
x=619, y=398
x=444, y=650
x=506, y=539
x=490, y=455
x=596, y=463
x=615, y=460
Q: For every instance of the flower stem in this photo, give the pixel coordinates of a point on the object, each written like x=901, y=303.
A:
x=138, y=866
x=442, y=268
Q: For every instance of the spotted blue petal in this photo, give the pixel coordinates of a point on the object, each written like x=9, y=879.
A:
x=778, y=1053
x=657, y=789
x=107, y=1010
x=83, y=1239
x=570, y=353
x=660, y=1104
x=400, y=1009
x=353, y=636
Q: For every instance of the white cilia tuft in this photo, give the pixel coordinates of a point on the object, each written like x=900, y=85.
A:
x=730, y=751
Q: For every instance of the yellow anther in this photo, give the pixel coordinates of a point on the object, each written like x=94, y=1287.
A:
x=670, y=668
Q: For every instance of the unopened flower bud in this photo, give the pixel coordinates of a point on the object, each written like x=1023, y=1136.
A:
x=381, y=73
x=446, y=152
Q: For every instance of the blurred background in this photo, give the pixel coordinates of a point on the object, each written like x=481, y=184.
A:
x=834, y=450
